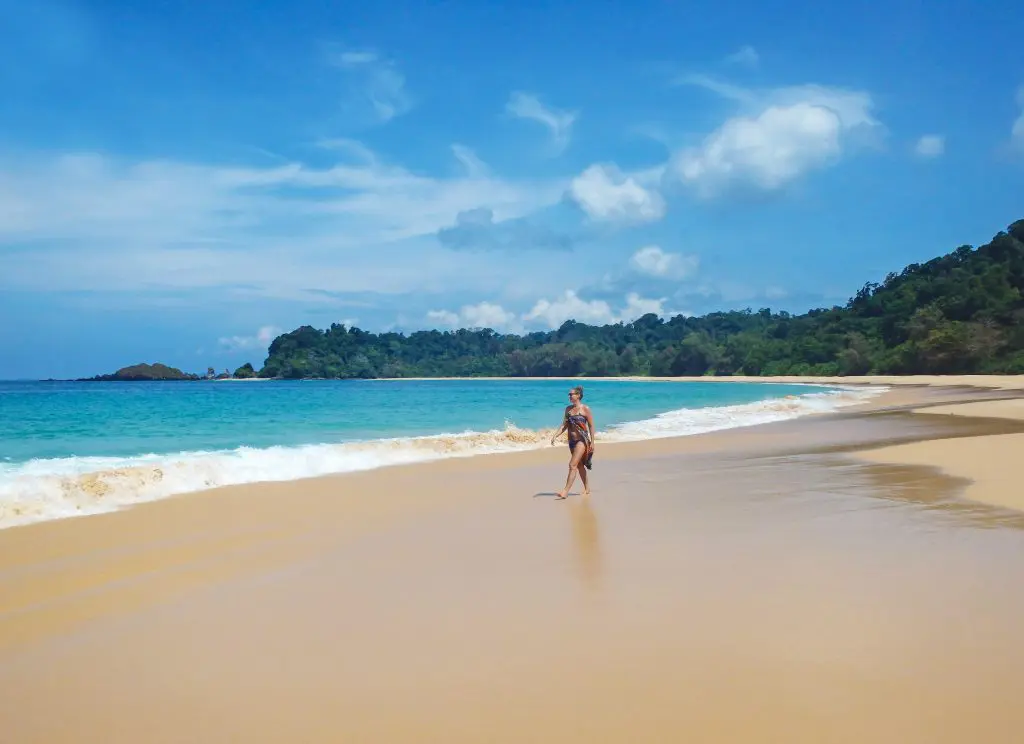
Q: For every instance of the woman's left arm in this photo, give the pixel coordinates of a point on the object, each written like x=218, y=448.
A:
x=593, y=429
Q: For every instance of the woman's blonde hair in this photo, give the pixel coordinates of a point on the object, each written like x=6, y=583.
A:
x=579, y=391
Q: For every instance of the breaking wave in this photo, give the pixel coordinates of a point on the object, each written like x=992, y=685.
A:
x=54, y=488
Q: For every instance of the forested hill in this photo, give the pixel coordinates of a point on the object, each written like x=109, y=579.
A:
x=960, y=313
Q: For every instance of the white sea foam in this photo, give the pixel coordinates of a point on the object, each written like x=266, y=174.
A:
x=54, y=488
x=686, y=421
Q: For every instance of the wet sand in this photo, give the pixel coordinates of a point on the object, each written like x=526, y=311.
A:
x=755, y=585
x=989, y=464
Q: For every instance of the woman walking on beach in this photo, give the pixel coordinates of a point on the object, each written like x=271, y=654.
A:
x=578, y=421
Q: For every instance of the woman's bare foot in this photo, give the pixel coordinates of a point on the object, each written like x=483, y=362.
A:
x=560, y=495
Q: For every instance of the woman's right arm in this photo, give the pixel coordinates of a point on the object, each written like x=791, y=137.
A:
x=565, y=422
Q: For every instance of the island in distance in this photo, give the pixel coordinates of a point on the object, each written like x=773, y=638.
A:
x=161, y=372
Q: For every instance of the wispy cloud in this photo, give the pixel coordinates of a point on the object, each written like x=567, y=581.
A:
x=347, y=146
x=476, y=230
x=257, y=341
x=652, y=261
x=746, y=56
x=1017, y=130
x=473, y=165
x=930, y=146
x=725, y=89
x=356, y=59
x=378, y=79
x=88, y=221
x=88, y=195
x=853, y=107
x=559, y=123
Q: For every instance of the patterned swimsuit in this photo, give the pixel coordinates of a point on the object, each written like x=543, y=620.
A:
x=578, y=432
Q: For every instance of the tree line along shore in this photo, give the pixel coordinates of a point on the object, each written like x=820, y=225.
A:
x=960, y=313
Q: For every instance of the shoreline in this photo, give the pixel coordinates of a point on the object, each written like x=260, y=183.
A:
x=926, y=401
x=131, y=480
x=1007, y=382
x=101, y=485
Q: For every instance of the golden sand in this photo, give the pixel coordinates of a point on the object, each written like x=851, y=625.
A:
x=756, y=585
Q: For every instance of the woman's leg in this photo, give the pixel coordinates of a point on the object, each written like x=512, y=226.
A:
x=578, y=451
x=582, y=470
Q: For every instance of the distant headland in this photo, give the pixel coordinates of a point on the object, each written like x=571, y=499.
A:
x=163, y=373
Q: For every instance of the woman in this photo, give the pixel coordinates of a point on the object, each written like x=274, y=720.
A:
x=579, y=422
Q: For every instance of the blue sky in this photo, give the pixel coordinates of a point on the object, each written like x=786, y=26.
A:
x=179, y=181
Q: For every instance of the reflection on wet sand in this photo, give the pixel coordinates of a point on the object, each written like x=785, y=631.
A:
x=932, y=491
x=587, y=542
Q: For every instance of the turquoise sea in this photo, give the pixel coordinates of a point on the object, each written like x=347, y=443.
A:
x=72, y=448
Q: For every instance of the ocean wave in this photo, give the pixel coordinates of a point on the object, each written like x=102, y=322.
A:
x=687, y=421
x=55, y=488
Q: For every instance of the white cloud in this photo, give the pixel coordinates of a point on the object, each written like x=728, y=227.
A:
x=637, y=306
x=487, y=315
x=382, y=82
x=768, y=151
x=570, y=306
x=780, y=135
x=559, y=123
x=745, y=55
x=930, y=146
x=653, y=261
x=606, y=194
x=266, y=334
x=444, y=317
x=1017, y=131
x=549, y=313
x=260, y=341
x=481, y=315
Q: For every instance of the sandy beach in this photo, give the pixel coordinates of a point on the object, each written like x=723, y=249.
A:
x=843, y=577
